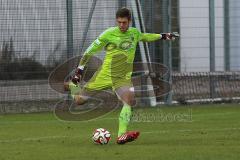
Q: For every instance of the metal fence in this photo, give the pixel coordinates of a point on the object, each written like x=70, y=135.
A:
x=36, y=36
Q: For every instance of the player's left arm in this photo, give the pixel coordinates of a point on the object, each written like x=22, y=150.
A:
x=149, y=37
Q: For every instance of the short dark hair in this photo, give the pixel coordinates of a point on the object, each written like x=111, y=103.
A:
x=124, y=12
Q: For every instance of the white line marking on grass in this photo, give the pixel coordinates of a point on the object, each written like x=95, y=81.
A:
x=53, y=121
x=32, y=139
x=189, y=130
x=150, y=132
x=215, y=114
x=20, y=122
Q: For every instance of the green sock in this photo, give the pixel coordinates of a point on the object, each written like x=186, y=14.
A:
x=74, y=89
x=124, y=119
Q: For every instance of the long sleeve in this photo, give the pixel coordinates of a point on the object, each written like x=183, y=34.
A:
x=148, y=37
x=94, y=48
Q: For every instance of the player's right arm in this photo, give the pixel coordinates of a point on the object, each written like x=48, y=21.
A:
x=94, y=48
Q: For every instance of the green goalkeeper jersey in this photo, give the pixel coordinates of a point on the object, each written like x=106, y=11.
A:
x=120, y=50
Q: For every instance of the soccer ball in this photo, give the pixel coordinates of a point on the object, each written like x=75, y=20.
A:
x=101, y=136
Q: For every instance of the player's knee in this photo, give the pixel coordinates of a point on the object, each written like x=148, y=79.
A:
x=66, y=86
x=131, y=102
x=79, y=100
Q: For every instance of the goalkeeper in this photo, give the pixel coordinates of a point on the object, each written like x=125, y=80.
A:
x=120, y=44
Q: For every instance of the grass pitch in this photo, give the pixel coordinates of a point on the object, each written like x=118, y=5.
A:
x=168, y=133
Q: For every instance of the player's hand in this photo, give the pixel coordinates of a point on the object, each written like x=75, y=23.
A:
x=78, y=75
x=169, y=36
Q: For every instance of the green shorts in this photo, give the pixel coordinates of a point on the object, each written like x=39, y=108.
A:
x=101, y=81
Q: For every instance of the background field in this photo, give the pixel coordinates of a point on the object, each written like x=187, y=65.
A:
x=175, y=132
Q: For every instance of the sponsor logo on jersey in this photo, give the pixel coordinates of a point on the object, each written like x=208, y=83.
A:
x=125, y=45
x=110, y=46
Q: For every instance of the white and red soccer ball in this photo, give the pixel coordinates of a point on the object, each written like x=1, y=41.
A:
x=101, y=136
